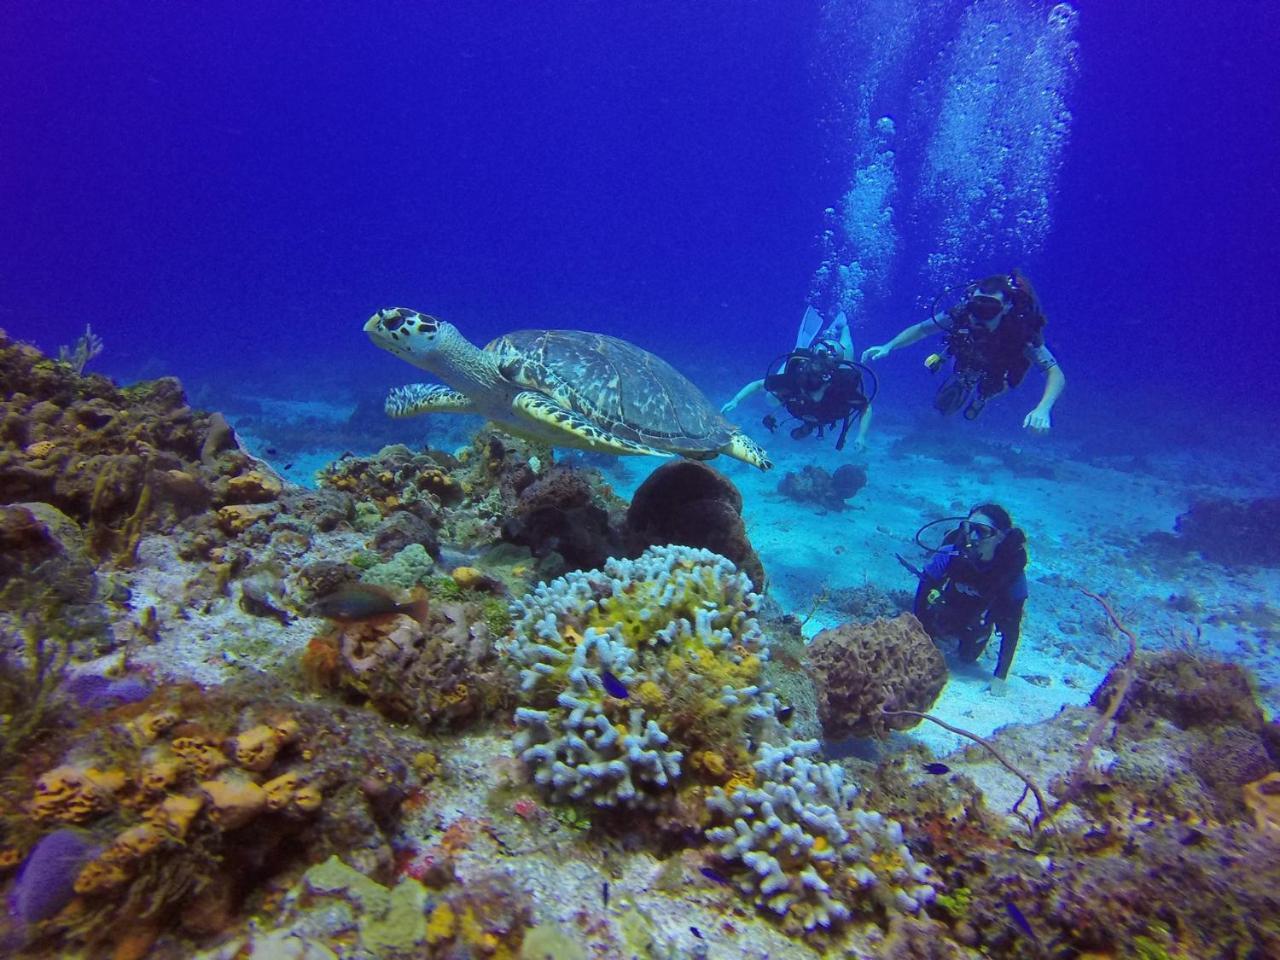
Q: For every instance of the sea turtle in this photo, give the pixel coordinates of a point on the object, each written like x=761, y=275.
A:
x=568, y=388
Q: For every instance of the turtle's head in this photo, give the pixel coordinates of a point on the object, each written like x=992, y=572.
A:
x=422, y=340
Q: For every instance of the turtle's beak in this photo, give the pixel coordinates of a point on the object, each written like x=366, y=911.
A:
x=373, y=323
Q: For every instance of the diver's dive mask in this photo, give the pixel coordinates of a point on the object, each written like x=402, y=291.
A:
x=975, y=532
x=988, y=307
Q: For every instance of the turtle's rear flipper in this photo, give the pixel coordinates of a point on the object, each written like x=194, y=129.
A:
x=416, y=398
x=576, y=429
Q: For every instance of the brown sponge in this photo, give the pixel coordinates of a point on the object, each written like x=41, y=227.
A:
x=862, y=668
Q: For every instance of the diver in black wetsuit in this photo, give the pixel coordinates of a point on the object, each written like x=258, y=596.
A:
x=976, y=583
x=995, y=334
x=820, y=389
x=818, y=383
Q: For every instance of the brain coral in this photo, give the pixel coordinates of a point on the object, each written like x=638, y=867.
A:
x=635, y=675
x=861, y=669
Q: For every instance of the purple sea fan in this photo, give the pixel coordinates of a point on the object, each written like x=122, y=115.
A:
x=46, y=879
x=97, y=692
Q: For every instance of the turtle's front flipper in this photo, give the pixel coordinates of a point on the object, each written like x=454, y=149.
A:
x=416, y=398
x=576, y=429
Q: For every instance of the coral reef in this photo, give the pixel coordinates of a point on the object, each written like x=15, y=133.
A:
x=1233, y=532
x=170, y=816
x=687, y=502
x=117, y=461
x=563, y=512
x=1190, y=734
x=637, y=676
x=1172, y=891
x=828, y=490
x=1186, y=690
x=440, y=673
x=799, y=848
x=864, y=669
x=333, y=903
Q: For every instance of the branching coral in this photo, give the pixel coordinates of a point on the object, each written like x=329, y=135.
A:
x=628, y=671
x=800, y=849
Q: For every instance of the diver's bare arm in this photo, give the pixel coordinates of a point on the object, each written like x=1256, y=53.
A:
x=742, y=394
x=864, y=426
x=913, y=334
x=1054, y=382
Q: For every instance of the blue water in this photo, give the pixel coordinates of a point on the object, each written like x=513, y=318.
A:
x=227, y=191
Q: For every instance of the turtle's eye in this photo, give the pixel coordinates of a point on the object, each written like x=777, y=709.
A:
x=394, y=322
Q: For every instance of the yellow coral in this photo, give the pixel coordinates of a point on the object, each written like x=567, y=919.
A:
x=474, y=933
x=253, y=487
x=100, y=876
x=238, y=517
x=745, y=780
x=468, y=578
x=234, y=800
x=255, y=749
x=175, y=813
x=286, y=730
x=650, y=695
x=40, y=449
x=307, y=798
x=442, y=924
x=711, y=762
x=74, y=794
x=280, y=791
x=161, y=774
x=135, y=842
x=427, y=764
x=201, y=754
x=1262, y=797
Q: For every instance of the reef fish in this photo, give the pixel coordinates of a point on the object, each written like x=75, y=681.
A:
x=612, y=685
x=1020, y=919
x=936, y=768
x=711, y=873
x=357, y=602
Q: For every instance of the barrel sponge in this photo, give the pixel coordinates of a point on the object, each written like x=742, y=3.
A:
x=862, y=669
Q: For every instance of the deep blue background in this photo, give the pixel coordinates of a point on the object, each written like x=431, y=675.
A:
x=227, y=191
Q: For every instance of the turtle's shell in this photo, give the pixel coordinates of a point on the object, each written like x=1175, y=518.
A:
x=619, y=387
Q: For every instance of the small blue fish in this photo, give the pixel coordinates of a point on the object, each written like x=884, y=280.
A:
x=936, y=768
x=1020, y=919
x=613, y=686
x=711, y=873
x=697, y=933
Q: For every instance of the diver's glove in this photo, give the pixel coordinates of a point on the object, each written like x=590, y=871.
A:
x=936, y=568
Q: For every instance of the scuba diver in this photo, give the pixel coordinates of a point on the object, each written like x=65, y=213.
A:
x=818, y=383
x=975, y=583
x=994, y=334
